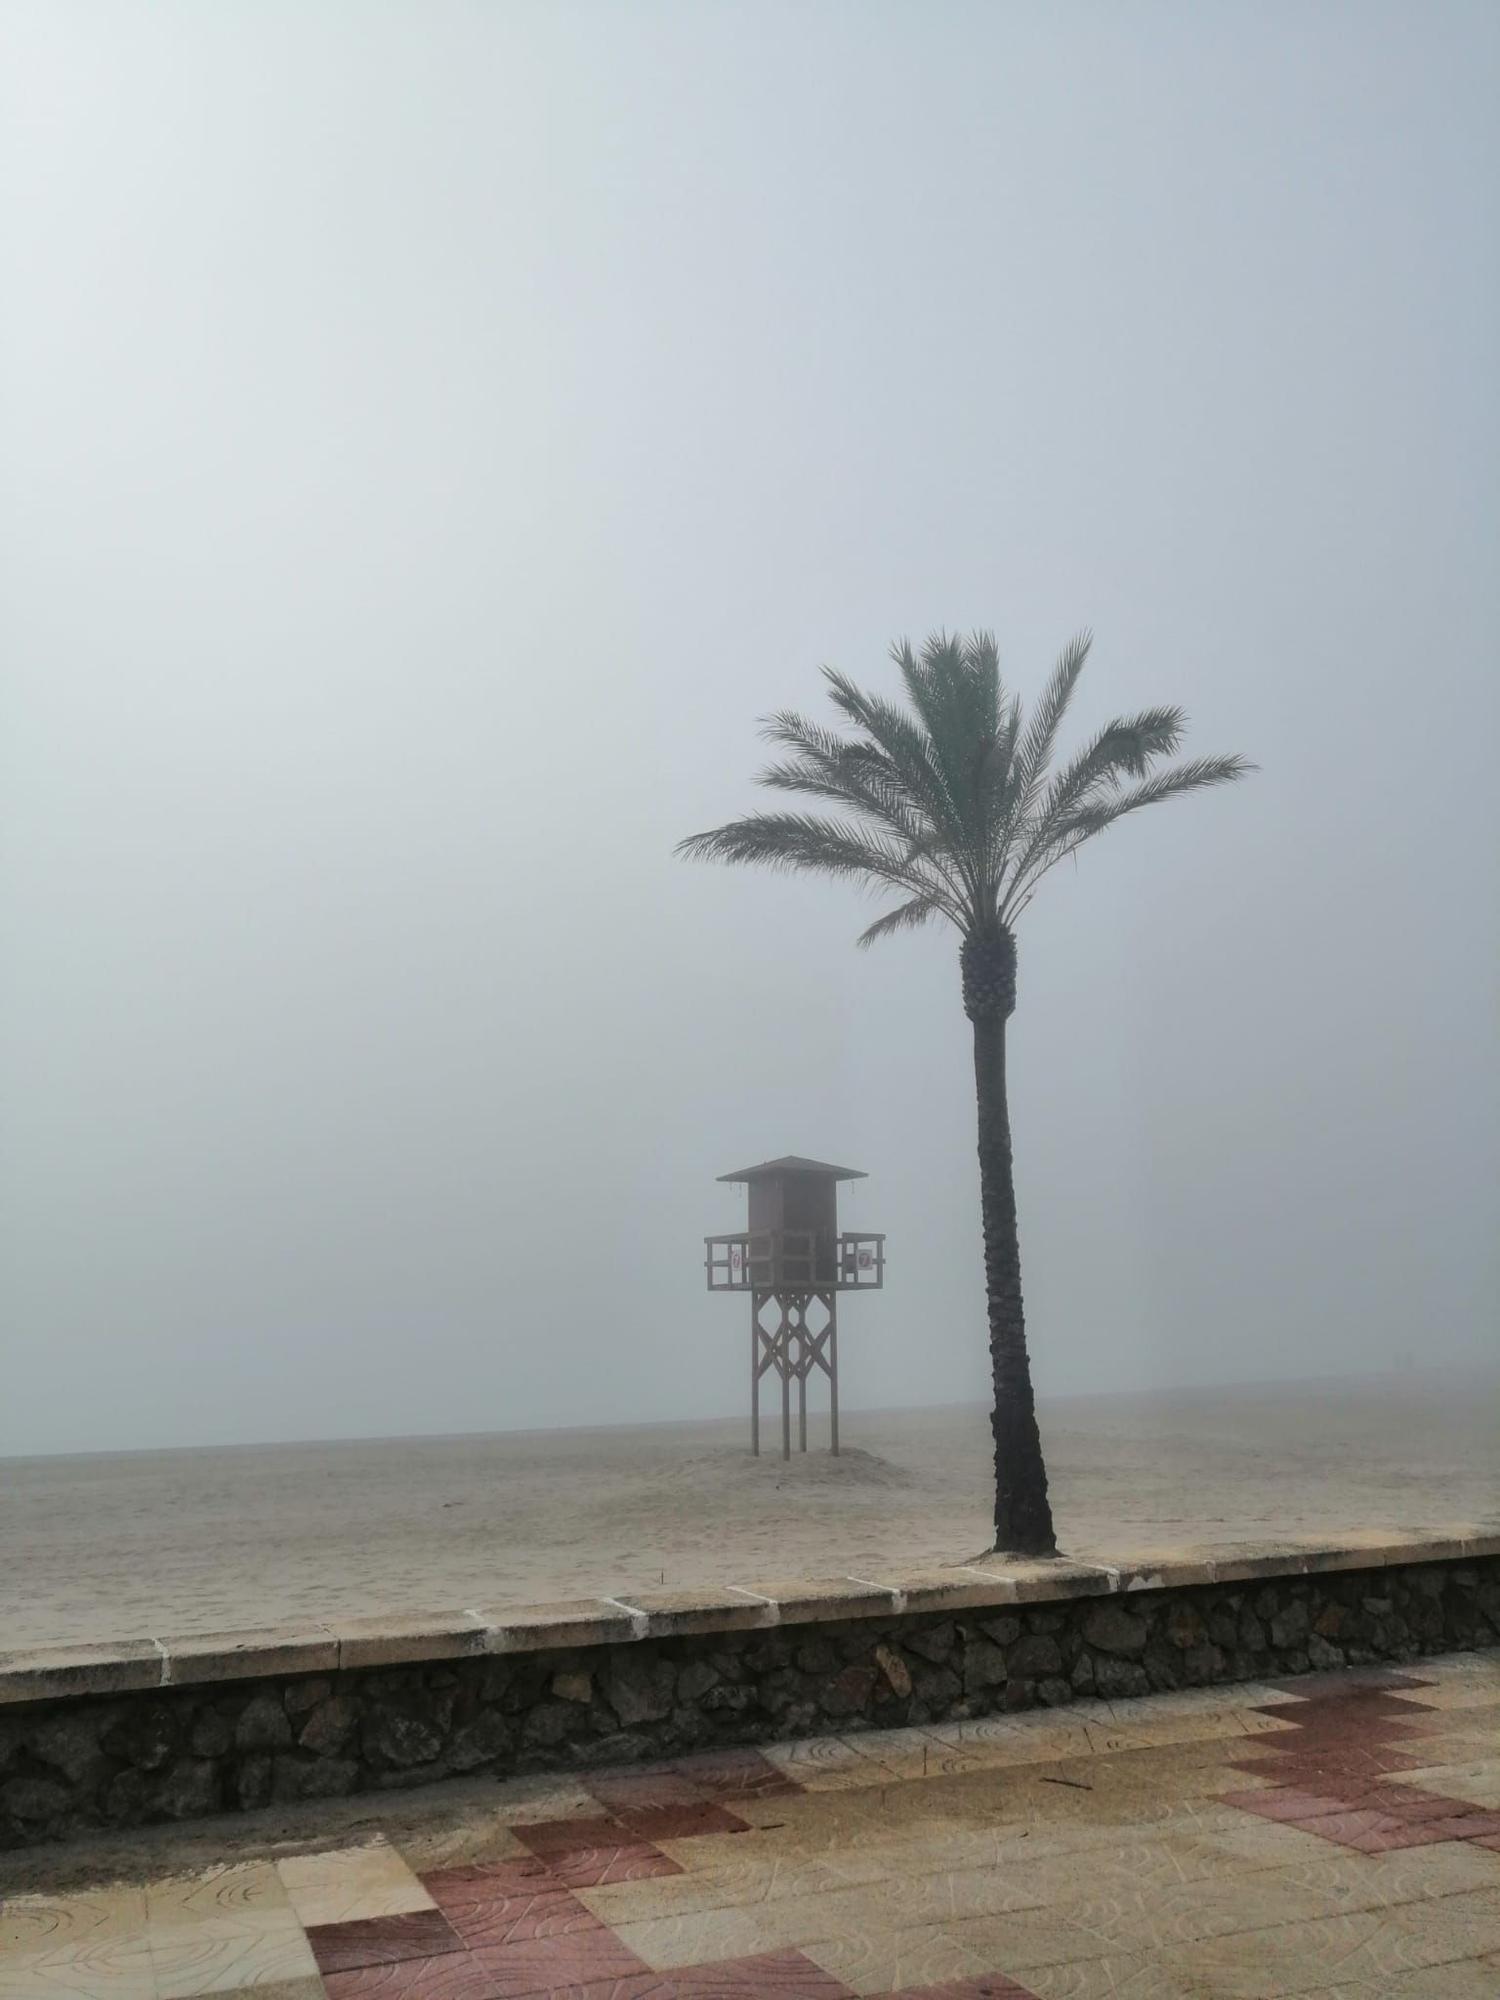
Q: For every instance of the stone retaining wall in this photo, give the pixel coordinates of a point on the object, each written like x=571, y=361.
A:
x=224, y=1742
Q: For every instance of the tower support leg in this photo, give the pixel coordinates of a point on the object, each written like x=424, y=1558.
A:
x=833, y=1374
x=754, y=1381
x=784, y=1358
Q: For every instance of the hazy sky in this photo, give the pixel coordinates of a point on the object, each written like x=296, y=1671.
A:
x=432, y=435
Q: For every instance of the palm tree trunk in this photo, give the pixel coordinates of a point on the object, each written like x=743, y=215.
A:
x=1023, y=1514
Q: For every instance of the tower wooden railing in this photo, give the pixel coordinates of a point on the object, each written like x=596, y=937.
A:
x=750, y=1260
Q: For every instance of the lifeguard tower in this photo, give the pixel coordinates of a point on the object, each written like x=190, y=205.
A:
x=794, y=1261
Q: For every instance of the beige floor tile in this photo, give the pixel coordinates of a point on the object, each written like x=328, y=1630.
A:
x=48, y=1923
x=1169, y=1771
x=1152, y=1919
x=921, y=1753
x=954, y=1895
x=462, y=1845
x=1476, y=1781
x=888, y=1961
x=1296, y=1958
x=1015, y=1942
x=1466, y=1925
x=1153, y=1868
x=1250, y=1842
x=831, y=1763
x=1017, y=1740
x=519, y=1800
x=697, y=1937
x=229, y=1953
x=1165, y=1718
x=1283, y=1722
x=1468, y=1980
x=1457, y=1746
x=1447, y=1868
x=241, y=1888
x=1466, y=1692
x=338, y=1886
x=102, y=1967
x=923, y=1901
x=1110, y=1978
x=1407, y=1875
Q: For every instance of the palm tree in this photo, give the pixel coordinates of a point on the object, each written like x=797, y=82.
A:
x=953, y=805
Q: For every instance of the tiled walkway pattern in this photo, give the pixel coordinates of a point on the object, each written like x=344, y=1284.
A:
x=1337, y=1836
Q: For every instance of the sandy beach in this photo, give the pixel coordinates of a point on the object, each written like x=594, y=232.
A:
x=108, y=1545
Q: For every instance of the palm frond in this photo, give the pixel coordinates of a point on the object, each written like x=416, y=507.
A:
x=796, y=732
x=793, y=841
x=905, y=917
x=1035, y=753
x=1086, y=821
x=1126, y=747
x=910, y=752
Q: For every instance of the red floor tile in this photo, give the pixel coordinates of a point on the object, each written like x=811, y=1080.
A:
x=680, y=1822
x=552, y=1836
x=638, y=1986
x=988, y=1986
x=1344, y=1828
x=642, y=1790
x=457, y=1975
x=543, y=1964
x=382, y=1940
x=502, y=1918
x=621, y=1861
x=1344, y=1683
x=1394, y=1835
x=511, y=1876
x=1287, y=1767
x=585, y=1853
x=788, y=1975
x=1405, y=1802
x=1344, y=1732
x=1284, y=1802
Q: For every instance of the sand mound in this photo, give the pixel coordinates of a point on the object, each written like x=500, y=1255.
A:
x=733, y=1468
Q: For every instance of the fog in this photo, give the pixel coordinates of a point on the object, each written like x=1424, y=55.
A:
x=434, y=434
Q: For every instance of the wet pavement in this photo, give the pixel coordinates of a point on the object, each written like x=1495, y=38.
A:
x=1334, y=1835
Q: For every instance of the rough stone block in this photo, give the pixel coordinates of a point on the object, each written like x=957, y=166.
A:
x=639, y=1687
x=1110, y=1628
x=262, y=1725
x=1035, y=1654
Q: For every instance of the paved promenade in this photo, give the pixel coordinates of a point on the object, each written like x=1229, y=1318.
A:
x=1335, y=1835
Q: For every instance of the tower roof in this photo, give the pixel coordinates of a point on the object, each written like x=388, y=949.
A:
x=793, y=1163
